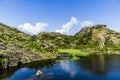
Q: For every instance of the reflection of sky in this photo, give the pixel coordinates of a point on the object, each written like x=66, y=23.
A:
x=22, y=74
x=69, y=67
x=76, y=71
x=113, y=76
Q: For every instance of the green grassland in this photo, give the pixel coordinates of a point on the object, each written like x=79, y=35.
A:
x=73, y=52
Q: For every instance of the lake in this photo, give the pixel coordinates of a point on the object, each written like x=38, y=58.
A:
x=94, y=67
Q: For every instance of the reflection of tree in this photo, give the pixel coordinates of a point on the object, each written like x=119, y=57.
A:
x=95, y=64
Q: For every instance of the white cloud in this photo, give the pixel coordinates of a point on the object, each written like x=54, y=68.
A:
x=24, y=69
x=86, y=23
x=66, y=27
x=32, y=30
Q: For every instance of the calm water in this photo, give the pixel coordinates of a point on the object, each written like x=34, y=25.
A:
x=91, y=68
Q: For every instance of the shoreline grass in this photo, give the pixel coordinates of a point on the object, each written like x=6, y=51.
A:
x=73, y=52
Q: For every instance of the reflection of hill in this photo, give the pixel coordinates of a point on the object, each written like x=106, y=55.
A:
x=8, y=73
x=113, y=63
x=95, y=64
x=101, y=64
x=36, y=65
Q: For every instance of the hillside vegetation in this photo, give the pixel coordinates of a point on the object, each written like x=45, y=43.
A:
x=98, y=38
x=16, y=46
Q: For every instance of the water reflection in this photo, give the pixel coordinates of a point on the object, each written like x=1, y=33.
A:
x=69, y=67
x=24, y=71
x=101, y=65
x=8, y=73
x=95, y=64
x=94, y=67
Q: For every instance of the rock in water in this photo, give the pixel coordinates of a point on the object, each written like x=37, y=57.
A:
x=39, y=73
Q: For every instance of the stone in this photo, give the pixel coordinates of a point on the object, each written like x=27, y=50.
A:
x=39, y=73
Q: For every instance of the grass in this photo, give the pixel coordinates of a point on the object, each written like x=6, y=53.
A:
x=73, y=52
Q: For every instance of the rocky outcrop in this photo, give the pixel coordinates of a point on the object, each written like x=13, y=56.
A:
x=23, y=57
x=98, y=35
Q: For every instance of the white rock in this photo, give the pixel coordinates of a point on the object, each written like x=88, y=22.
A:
x=39, y=73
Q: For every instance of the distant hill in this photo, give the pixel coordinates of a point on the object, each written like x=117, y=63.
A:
x=58, y=39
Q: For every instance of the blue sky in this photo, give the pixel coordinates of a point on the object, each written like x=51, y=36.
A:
x=65, y=16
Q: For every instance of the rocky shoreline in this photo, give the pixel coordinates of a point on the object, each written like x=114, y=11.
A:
x=20, y=59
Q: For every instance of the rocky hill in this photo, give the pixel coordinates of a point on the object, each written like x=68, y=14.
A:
x=17, y=47
x=58, y=39
x=98, y=37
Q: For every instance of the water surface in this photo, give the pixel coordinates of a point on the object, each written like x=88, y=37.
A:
x=102, y=67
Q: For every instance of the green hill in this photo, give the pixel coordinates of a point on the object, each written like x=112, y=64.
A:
x=16, y=46
x=98, y=38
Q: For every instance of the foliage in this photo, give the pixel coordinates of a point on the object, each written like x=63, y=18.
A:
x=3, y=60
